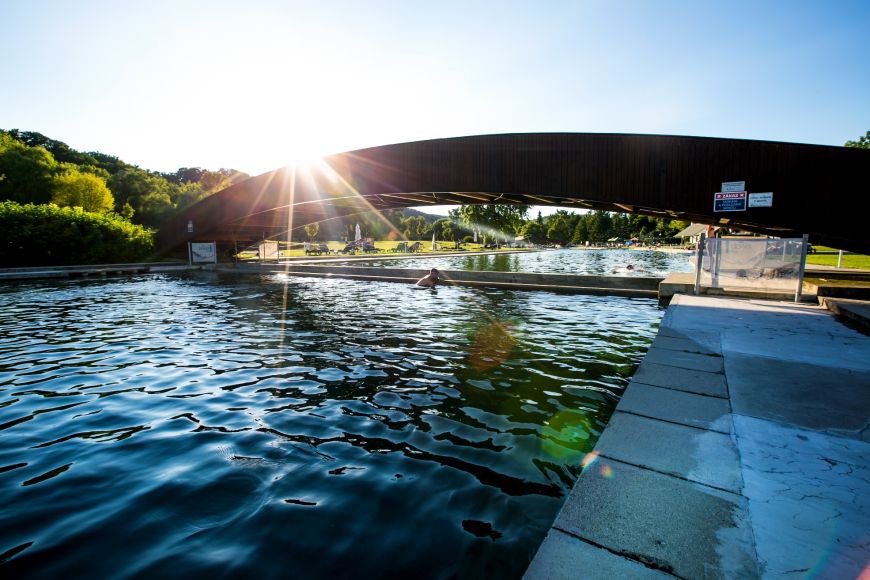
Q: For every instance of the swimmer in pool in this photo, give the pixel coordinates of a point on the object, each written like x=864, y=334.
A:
x=429, y=279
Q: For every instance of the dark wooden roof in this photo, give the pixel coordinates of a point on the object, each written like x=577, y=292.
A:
x=819, y=190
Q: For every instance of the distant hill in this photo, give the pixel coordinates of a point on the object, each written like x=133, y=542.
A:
x=32, y=165
x=429, y=217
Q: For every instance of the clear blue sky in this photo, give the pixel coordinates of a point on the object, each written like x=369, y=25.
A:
x=255, y=85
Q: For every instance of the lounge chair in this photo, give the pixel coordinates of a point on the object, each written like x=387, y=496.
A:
x=415, y=247
x=401, y=248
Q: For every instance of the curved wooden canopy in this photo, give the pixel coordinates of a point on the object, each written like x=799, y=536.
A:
x=818, y=190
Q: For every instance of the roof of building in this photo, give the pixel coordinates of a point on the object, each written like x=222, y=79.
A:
x=692, y=230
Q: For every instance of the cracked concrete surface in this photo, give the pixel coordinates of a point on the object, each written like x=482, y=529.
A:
x=741, y=449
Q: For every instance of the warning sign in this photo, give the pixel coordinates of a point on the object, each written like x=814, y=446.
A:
x=729, y=201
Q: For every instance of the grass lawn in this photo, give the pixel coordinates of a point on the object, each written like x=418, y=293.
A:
x=386, y=247
x=822, y=257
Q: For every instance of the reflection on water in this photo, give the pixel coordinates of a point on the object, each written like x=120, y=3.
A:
x=595, y=262
x=194, y=425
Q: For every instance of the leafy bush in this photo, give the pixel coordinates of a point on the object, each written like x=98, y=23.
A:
x=42, y=235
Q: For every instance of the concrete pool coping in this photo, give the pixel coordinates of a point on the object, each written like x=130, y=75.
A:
x=84, y=271
x=723, y=459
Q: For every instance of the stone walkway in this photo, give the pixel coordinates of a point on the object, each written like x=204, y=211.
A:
x=741, y=449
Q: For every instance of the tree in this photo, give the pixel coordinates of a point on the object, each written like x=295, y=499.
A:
x=26, y=173
x=581, y=231
x=863, y=142
x=416, y=227
x=494, y=220
x=559, y=231
x=61, y=152
x=534, y=231
x=311, y=231
x=147, y=193
x=84, y=190
x=153, y=208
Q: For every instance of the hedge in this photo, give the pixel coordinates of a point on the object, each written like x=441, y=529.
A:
x=48, y=235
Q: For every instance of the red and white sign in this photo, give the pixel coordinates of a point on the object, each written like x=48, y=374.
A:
x=729, y=201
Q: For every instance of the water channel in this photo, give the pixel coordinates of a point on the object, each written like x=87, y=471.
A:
x=257, y=426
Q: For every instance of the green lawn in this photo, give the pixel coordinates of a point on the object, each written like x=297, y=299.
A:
x=849, y=260
x=386, y=247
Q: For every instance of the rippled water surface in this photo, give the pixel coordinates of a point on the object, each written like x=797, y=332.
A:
x=570, y=261
x=178, y=426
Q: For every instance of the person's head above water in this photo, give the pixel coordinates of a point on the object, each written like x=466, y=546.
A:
x=629, y=267
x=429, y=279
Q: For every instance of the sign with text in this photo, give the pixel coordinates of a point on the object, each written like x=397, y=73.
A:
x=203, y=253
x=761, y=199
x=729, y=201
x=268, y=250
x=733, y=186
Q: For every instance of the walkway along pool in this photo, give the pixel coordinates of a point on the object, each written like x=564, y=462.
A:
x=260, y=426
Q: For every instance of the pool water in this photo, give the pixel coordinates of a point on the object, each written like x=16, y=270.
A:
x=209, y=424
x=568, y=261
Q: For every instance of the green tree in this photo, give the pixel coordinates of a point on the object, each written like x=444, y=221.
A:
x=126, y=211
x=311, y=231
x=581, y=231
x=863, y=142
x=26, y=173
x=506, y=220
x=559, y=231
x=153, y=208
x=600, y=226
x=416, y=227
x=84, y=190
x=534, y=231
x=150, y=195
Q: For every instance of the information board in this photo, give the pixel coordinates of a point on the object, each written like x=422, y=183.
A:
x=268, y=250
x=733, y=186
x=761, y=199
x=729, y=201
x=203, y=253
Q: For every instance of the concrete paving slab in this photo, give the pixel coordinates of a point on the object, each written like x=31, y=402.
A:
x=679, y=527
x=809, y=499
x=700, y=382
x=800, y=332
x=856, y=311
x=824, y=398
x=685, y=360
x=800, y=384
x=563, y=556
x=681, y=343
x=689, y=409
x=695, y=454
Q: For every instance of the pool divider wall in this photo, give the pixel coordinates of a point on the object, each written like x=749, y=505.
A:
x=634, y=286
x=83, y=271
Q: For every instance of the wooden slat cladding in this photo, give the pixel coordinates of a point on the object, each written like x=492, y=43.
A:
x=819, y=190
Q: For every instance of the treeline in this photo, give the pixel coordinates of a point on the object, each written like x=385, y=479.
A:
x=37, y=169
x=396, y=224
x=494, y=223
x=598, y=227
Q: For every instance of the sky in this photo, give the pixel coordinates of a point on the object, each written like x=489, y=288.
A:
x=260, y=84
